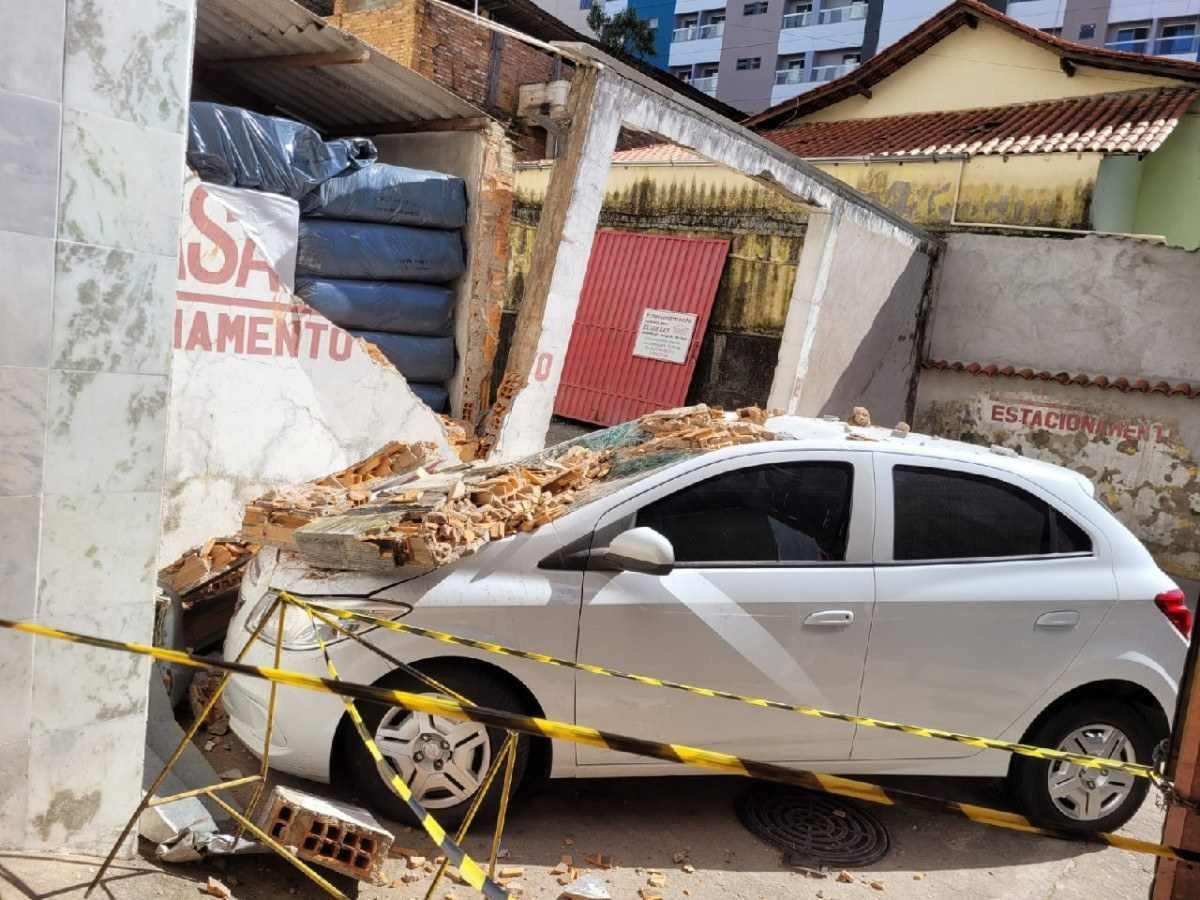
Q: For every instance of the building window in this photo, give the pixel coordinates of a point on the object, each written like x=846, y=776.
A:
x=1134, y=39
x=749, y=62
x=585, y=4
x=755, y=9
x=1087, y=32
x=1177, y=38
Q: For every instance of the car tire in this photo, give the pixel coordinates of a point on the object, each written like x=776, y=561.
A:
x=1087, y=800
x=481, y=689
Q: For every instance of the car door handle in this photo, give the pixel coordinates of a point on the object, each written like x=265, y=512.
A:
x=830, y=618
x=1060, y=618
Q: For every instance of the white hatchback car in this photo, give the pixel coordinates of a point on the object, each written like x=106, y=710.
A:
x=857, y=570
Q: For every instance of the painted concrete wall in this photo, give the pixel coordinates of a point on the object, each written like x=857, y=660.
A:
x=92, y=134
x=985, y=66
x=857, y=322
x=1110, y=306
x=1101, y=305
x=1169, y=194
x=1142, y=451
x=1050, y=190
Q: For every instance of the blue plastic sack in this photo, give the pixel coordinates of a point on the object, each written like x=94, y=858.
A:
x=235, y=147
x=418, y=358
x=330, y=248
x=434, y=396
x=394, y=195
x=392, y=306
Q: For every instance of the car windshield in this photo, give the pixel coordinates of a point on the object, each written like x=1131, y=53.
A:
x=625, y=470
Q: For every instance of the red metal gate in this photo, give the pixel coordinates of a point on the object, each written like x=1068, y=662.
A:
x=638, y=284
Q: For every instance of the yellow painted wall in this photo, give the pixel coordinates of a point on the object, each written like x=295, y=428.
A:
x=1050, y=190
x=972, y=68
x=532, y=181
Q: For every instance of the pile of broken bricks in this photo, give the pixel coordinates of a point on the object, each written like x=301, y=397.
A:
x=403, y=506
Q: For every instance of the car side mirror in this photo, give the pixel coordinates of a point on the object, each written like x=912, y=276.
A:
x=641, y=550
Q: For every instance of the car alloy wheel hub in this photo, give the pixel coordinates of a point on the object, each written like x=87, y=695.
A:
x=442, y=760
x=1086, y=794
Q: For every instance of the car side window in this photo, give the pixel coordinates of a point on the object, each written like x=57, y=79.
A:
x=940, y=514
x=778, y=513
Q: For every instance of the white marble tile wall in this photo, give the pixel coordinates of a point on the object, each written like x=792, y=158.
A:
x=92, y=135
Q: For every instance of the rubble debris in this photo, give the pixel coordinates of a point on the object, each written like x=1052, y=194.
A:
x=679, y=856
x=273, y=518
x=507, y=872
x=415, y=862
x=589, y=886
x=204, y=685
x=431, y=519
x=859, y=416
x=202, y=564
x=877, y=886
x=460, y=437
x=845, y=877
x=649, y=894
x=657, y=880
x=599, y=860
x=345, y=838
x=214, y=888
x=689, y=868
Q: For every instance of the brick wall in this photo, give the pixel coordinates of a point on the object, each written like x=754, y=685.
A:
x=451, y=51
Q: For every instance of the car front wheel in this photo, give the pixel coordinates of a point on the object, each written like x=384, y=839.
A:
x=1074, y=798
x=443, y=761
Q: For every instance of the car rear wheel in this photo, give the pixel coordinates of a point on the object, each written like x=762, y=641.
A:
x=1074, y=798
x=443, y=761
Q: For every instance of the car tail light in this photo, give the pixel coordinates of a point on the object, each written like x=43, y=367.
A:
x=1174, y=606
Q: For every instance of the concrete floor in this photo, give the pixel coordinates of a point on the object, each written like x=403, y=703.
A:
x=642, y=824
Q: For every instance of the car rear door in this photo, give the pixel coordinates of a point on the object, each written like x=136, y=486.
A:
x=987, y=587
x=771, y=597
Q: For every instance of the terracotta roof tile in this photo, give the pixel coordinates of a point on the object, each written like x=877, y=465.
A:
x=1127, y=122
x=661, y=153
x=956, y=15
x=1122, y=384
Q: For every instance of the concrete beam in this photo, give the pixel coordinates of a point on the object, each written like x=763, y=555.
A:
x=561, y=250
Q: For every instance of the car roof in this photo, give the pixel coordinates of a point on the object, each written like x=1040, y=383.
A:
x=831, y=433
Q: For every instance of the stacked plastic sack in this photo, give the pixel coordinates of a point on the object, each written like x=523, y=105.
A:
x=378, y=243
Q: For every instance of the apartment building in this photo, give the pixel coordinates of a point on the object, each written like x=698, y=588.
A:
x=753, y=54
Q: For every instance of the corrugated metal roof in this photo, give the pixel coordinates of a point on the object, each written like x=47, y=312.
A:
x=379, y=90
x=1122, y=384
x=1126, y=122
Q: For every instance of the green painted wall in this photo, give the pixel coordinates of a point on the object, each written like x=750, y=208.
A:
x=1114, y=203
x=1169, y=200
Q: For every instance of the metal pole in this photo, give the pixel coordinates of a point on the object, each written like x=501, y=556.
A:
x=1177, y=880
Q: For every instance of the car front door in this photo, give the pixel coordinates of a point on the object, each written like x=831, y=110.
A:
x=770, y=596
x=987, y=587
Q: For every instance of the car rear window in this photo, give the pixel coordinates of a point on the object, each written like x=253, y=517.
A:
x=779, y=513
x=941, y=514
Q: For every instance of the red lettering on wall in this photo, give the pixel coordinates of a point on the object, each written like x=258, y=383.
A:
x=287, y=338
x=997, y=412
x=336, y=337
x=315, y=329
x=198, y=335
x=177, y=343
x=223, y=243
x=252, y=262
x=231, y=329
x=259, y=344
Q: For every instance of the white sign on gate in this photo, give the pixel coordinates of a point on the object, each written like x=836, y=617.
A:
x=665, y=335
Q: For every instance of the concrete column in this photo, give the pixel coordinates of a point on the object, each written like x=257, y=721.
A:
x=804, y=310
x=561, y=251
x=93, y=111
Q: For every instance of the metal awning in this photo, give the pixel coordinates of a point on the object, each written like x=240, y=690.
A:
x=280, y=52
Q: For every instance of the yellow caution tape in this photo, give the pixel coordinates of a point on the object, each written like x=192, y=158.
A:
x=1089, y=762
x=591, y=737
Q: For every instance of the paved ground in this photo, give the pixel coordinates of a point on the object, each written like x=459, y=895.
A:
x=642, y=823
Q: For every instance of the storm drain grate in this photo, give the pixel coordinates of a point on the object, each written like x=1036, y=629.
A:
x=814, y=830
